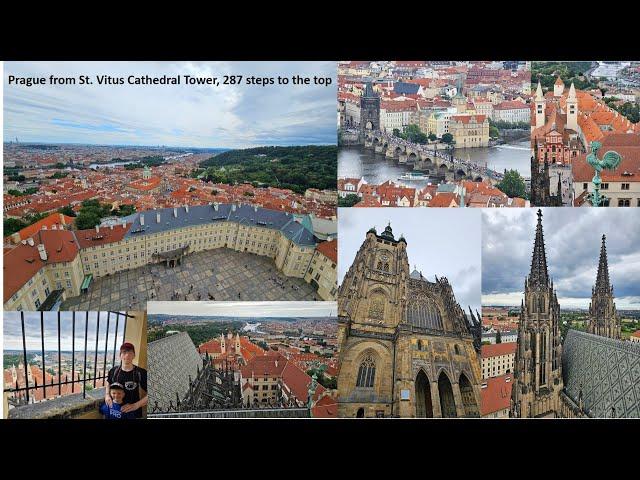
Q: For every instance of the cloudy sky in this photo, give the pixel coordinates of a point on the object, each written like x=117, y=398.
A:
x=244, y=309
x=572, y=237
x=13, y=331
x=443, y=242
x=233, y=116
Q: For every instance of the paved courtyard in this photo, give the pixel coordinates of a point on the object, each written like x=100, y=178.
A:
x=219, y=274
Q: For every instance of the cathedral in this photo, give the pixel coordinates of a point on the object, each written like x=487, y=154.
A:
x=538, y=364
x=407, y=349
x=586, y=374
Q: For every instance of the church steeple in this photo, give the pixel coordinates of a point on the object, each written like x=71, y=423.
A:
x=602, y=280
x=538, y=277
x=603, y=317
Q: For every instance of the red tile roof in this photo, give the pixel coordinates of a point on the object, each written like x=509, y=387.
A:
x=105, y=235
x=23, y=261
x=496, y=395
x=329, y=250
x=498, y=349
x=57, y=219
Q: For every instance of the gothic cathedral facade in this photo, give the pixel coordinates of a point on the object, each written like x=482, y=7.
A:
x=538, y=363
x=406, y=345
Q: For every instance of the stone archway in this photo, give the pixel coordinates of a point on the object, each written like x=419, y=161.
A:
x=447, y=400
x=468, y=398
x=424, y=406
x=412, y=157
x=442, y=169
x=478, y=178
x=360, y=413
x=397, y=151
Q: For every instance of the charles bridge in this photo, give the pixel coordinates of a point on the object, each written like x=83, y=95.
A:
x=435, y=160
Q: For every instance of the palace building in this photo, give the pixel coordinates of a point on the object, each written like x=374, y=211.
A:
x=58, y=264
x=406, y=346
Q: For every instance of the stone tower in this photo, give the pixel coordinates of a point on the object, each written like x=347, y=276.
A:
x=572, y=109
x=541, y=183
x=406, y=347
x=538, y=365
x=459, y=101
x=603, y=318
x=540, y=106
x=369, y=111
x=146, y=173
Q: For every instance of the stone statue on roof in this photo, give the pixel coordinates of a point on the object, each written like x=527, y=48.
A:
x=610, y=160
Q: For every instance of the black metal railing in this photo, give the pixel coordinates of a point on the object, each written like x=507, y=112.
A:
x=25, y=392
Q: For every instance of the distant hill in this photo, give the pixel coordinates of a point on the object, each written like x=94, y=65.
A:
x=296, y=168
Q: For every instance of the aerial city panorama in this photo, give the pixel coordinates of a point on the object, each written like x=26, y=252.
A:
x=219, y=240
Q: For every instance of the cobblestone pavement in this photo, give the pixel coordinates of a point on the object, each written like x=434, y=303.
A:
x=219, y=274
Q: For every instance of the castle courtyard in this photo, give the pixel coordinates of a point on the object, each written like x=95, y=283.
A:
x=220, y=274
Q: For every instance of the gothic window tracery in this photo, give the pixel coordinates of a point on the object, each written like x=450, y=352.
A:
x=366, y=372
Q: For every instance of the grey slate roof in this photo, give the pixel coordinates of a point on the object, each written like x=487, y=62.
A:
x=203, y=214
x=405, y=88
x=607, y=369
x=171, y=360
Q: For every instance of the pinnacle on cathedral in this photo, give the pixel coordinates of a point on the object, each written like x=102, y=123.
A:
x=602, y=280
x=538, y=277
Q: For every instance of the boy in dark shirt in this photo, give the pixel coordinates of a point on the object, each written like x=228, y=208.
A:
x=114, y=411
x=132, y=378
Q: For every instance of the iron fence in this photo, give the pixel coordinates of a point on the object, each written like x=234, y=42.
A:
x=22, y=395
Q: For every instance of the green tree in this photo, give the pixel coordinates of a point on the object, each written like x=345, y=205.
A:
x=348, y=201
x=447, y=138
x=498, y=337
x=432, y=137
x=396, y=132
x=13, y=225
x=512, y=184
x=493, y=131
x=67, y=210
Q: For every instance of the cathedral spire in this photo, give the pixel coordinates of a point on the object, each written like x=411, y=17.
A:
x=602, y=280
x=538, y=276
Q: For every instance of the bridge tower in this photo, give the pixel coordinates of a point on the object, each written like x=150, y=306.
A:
x=369, y=111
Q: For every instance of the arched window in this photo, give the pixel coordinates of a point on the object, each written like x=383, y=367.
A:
x=379, y=267
x=419, y=344
x=366, y=372
x=456, y=349
x=386, y=267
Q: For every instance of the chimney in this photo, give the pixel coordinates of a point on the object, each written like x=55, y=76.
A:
x=142, y=220
x=124, y=224
x=158, y=217
x=255, y=208
x=30, y=242
x=42, y=252
x=215, y=206
x=233, y=207
x=97, y=229
x=175, y=212
x=111, y=226
x=186, y=208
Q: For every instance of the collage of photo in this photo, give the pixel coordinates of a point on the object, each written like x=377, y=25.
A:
x=239, y=248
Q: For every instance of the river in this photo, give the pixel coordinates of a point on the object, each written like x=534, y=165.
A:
x=356, y=162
